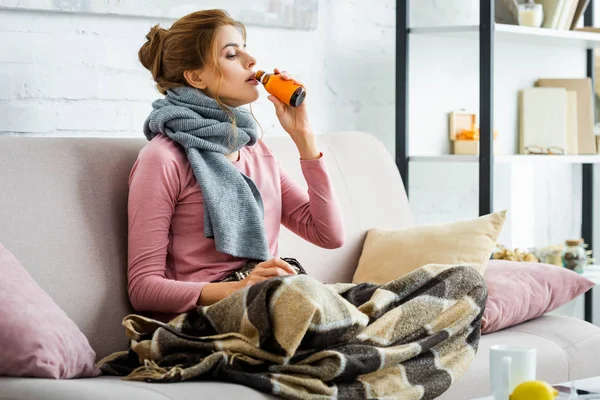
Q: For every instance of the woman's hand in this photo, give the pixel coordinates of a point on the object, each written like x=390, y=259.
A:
x=294, y=120
x=266, y=270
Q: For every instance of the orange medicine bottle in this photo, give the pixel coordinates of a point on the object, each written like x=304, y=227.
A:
x=286, y=91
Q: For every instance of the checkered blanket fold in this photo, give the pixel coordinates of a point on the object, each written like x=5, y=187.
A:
x=298, y=338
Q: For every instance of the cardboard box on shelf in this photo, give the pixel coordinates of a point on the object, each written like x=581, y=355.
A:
x=464, y=133
x=468, y=147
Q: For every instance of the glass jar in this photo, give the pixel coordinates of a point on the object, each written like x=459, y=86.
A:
x=574, y=256
x=530, y=14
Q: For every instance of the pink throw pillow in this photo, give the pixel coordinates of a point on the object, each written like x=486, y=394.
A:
x=521, y=291
x=37, y=338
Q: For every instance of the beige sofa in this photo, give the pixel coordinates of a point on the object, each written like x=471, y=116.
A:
x=64, y=216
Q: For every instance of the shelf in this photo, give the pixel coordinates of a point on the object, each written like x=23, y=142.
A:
x=592, y=272
x=554, y=159
x=521, y=34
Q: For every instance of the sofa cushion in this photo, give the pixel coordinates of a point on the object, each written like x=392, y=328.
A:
x=520, y=291
x=64, y=217
x=37, y=339
x=390, y=253
x=560, y=342
x=114, y=388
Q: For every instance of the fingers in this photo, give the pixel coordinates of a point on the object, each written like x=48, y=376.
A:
x=287, y=76
x=285, y=266
x=276, y=263
x=279, y=105
x=275, y=100
x=271, y=272
x=269, y=269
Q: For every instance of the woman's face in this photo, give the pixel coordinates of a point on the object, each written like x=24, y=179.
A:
x=237, y=85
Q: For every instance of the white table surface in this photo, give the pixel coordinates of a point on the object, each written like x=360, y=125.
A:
x=591, y=384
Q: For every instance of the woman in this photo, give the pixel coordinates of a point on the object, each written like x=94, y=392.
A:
x=207, y=196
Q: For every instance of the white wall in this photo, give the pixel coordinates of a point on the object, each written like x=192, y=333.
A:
x=74, y=74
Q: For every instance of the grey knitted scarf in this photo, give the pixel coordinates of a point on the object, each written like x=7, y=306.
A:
x=233, y=207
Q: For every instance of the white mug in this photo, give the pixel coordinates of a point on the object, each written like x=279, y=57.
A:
x=509, y=366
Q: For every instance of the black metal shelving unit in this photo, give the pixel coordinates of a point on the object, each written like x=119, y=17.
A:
x=486, y=115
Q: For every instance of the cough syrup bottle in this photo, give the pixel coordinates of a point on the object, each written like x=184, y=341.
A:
x=286, y=91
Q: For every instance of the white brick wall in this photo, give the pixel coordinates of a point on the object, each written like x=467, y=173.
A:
x=66, y=74
x=27, y=116
x=73, y=74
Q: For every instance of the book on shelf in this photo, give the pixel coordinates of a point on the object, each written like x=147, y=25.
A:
x=562, y=14
x=582, y=5
x=552, y=10
x=567, y=14
x=542, y=120
x=586, y=142
x=572, y=124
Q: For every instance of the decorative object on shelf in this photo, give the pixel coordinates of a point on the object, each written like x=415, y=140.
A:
x=531, y=14
x=506, y=12
x=574, y=256
x=532, y=149
x=550, y=254
x=522, y=255
x=586, y=143
x=464, y=133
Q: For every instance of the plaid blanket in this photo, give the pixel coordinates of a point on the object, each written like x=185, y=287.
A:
x=301, y=339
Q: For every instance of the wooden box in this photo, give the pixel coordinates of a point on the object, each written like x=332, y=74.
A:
x=463, y=120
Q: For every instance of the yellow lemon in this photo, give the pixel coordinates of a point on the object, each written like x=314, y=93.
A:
x=534, y=390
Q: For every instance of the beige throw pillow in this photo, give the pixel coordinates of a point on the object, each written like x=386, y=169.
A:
x=389, y=254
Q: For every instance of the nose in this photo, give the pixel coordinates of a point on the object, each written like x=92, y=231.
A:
x=250, y=62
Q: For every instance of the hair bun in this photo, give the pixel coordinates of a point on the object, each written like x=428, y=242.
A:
x=155, y=33
x=150, y=54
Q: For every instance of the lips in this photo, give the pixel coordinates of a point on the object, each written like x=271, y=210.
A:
x=251, y=77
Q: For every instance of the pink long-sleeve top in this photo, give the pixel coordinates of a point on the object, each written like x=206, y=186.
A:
x=169, y=258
